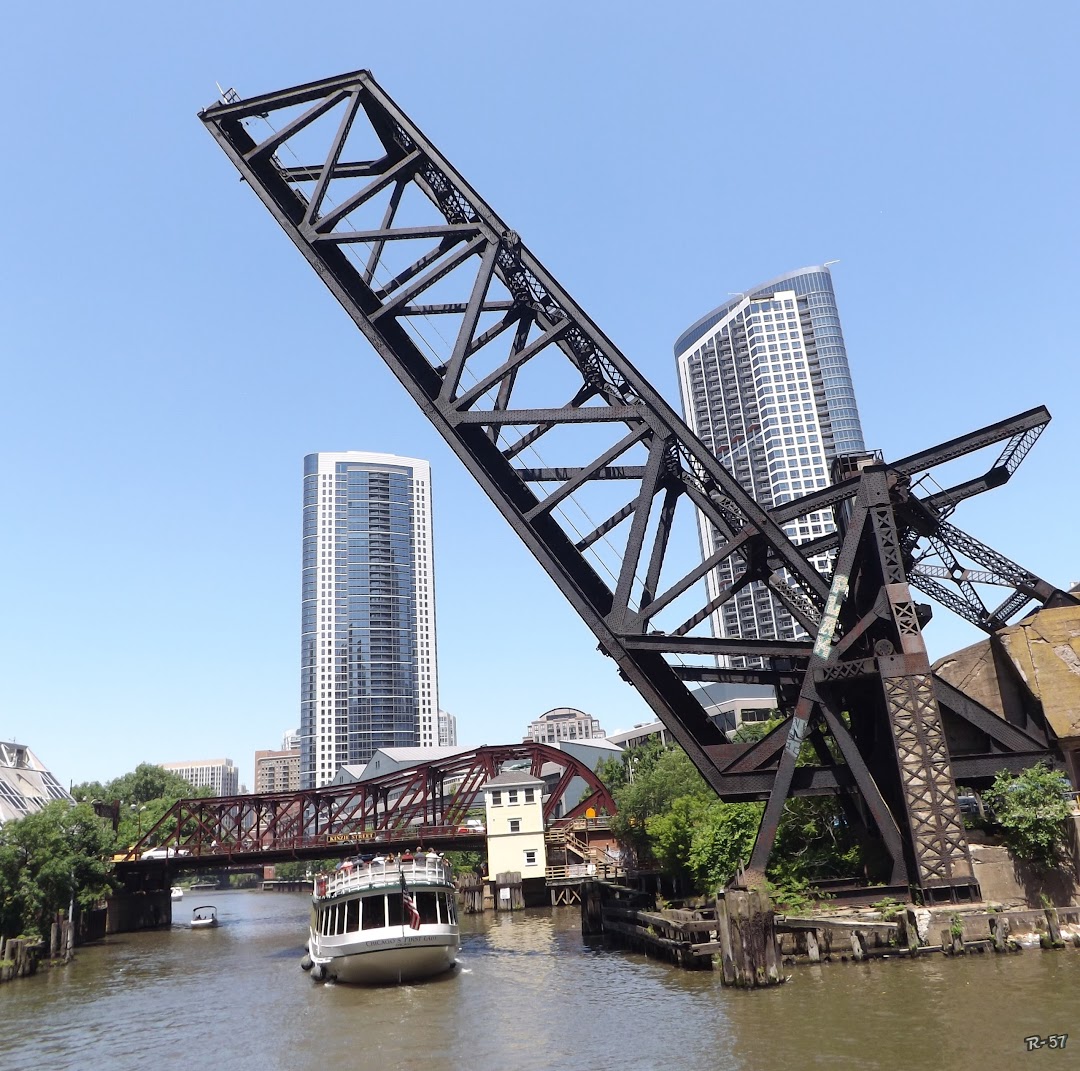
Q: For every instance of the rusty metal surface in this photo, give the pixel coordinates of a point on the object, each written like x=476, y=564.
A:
x=511, y=332
x=425, y=803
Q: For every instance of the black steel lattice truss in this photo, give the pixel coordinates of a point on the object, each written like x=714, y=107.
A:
x=505, y=364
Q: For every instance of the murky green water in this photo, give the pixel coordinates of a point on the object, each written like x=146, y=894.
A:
x=529, y=994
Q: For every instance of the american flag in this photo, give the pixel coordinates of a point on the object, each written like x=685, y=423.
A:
x=409, y=906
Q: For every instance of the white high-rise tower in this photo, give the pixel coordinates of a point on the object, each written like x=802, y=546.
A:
x=766, y=386
x=368, y=671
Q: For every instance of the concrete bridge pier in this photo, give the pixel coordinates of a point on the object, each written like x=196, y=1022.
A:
x=144, y=900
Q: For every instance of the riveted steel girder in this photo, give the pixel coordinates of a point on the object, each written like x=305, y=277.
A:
x=505, y=364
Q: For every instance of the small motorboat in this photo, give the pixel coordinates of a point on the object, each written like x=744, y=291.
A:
x=204, y=917
x=177, y=893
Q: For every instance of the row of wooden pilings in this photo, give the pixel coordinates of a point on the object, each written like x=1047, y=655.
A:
x=20, y=956
x=740, y=930
x=506, y=894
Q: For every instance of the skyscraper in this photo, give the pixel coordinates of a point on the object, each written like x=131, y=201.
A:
x=368, y=675
x=765, y=384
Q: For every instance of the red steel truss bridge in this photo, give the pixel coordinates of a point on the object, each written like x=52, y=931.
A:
x=505, y=364
x=425, y=804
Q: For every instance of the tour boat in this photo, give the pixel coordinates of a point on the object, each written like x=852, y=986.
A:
x=204, y=917
x=383, y=921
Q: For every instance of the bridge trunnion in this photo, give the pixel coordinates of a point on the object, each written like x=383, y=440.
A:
x=399, y=237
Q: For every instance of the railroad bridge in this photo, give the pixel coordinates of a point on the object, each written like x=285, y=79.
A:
x=504, y=362
x=425, y=804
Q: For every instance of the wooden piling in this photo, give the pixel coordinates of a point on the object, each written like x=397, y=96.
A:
x=813, y=946
x=723, y=933
x=1053, y=928
x=746, y=932
x=999, y=930
x=592, y=908
x=508, y=892
x=738, y=911
x=21, y=958
x=858, y=945
x=470, y=887
x=952, y=943
x=911, y=926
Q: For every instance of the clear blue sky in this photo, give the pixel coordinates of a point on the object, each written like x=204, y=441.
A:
x=164, y=345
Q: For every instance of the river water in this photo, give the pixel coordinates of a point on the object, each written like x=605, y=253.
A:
x=529, y=993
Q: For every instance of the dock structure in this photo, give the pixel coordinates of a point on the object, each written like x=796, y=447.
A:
x=738, y=931
x=742, y=936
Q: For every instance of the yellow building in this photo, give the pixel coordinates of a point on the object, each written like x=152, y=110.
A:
x=514, y=807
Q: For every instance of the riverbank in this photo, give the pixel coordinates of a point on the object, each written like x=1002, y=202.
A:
x=740, y=935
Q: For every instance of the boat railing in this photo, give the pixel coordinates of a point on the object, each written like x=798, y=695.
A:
x=354, y=874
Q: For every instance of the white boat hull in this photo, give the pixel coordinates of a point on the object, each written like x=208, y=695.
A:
x=383, y=922
x=388, y=961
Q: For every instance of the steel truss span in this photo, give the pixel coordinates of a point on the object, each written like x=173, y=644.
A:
x=426, y=802
x=601, y=479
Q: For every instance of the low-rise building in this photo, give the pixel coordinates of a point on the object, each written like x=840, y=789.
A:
x=389, y=760
x=641, y=734
x=514, y=810
x=728, y=707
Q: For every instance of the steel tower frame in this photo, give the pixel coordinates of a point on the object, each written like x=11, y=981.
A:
x=484, y=339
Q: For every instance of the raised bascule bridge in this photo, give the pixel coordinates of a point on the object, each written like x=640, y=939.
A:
x=606, y=485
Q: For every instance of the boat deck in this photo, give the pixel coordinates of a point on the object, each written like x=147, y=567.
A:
x=354, y=876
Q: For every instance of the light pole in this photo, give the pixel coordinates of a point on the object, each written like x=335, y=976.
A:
x=138, y=814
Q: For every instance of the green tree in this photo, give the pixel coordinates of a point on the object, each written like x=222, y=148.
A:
x=612, y=772
x=47, y=858
x=723, y=842
x=669, y=814
x=144, y=796
x=656, y=777
x=671, y=834
x=752, y=731
x=148, y=782
x=1031, y=809
x=88, y=791
x=297, y=870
